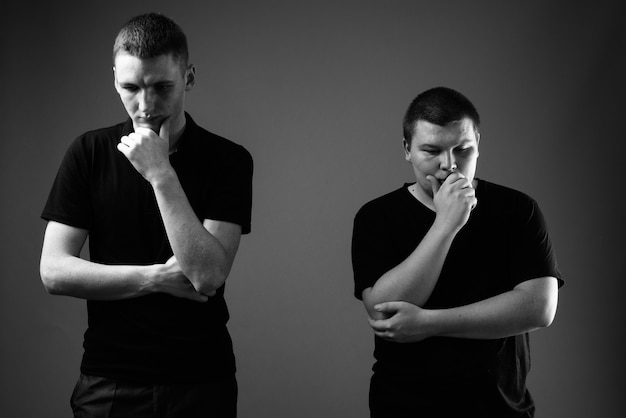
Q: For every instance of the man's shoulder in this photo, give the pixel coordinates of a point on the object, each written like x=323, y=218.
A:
x=100, y=135
x=391, y=201
x=205, y=140
x=505, y=202
x=108, y=130
x=503, y=194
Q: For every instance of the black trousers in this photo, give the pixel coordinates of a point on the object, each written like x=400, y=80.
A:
x=394, y=396
x=98, y=397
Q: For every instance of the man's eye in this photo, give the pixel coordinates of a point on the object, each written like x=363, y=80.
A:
x=130, y=88
x=163, y=87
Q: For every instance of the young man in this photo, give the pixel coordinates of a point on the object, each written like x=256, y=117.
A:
x=454, y=271
x=164, y=203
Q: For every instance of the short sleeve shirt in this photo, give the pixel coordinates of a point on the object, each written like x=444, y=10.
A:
x=156, y=337
x=504, y=243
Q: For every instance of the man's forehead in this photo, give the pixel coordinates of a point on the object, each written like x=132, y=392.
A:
x=462, y=130
x=167, y=59
x=159, y=68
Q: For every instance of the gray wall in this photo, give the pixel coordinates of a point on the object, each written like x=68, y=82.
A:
x=316, y=92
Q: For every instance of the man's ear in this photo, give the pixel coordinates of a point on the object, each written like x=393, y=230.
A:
x=115, y=83
x=190, y=77
x=407, y=149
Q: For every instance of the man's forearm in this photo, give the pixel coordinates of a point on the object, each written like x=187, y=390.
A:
x=72, y=276
x=202, y=257
x=530, y=306
x=414, y=279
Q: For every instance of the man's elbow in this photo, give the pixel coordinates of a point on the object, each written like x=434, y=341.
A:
x=547, y=316
x=541, y=301
x=50, y=278
x=371, y=299
x=546, y=311
x=207, y=281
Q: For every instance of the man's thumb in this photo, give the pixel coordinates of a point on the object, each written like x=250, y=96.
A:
x=386, y=307
x=164, y=131
x=434, y=183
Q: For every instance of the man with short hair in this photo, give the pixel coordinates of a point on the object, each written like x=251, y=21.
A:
x=164, y=203
x=454, y=272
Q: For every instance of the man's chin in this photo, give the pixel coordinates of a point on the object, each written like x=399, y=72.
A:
x=153, y=125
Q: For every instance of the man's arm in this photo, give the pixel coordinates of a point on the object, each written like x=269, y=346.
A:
x=205, y=251
x=414, y=279
x=63, y=272
x=529, y=306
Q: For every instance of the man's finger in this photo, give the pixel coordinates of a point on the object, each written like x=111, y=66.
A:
x=140, y=132
x=434, y=183
x=379, y=325
x=382, y=335
x=388, y=307
x=201, y=298
x=474, y=203
x=126, y=141
x=171, y=260
x=164, y=131
x=124, y=149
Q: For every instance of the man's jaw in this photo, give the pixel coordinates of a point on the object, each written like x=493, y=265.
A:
x=153, y=122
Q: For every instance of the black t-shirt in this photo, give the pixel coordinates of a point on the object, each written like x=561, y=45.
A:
x=504, y=243
x=158, y=337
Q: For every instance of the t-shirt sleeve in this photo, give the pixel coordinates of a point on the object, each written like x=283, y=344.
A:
x=231, y=199
x=371, y=257
x=533, y=255
x=68, y=201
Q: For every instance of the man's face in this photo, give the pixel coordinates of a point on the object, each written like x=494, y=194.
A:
x=153, y=89
x=441, y=150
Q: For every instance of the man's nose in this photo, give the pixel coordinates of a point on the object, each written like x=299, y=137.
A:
x=146, y=102
x=448, y=162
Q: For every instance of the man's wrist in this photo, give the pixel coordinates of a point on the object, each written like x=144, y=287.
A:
x=444, y=229
x=443, y=322
x=163, y=178
x=430, y=322
x=149, y=278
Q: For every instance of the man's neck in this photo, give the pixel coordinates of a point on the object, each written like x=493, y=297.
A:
x=421, y=196
x=176, y=131
x=174, y=139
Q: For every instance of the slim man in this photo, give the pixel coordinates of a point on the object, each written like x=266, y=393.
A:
x=164, y=203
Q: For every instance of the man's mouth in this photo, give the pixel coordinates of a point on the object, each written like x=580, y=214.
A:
x=149, y=119
x=153, y=122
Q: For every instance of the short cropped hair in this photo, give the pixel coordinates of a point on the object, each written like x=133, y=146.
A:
x=150, y=35
x=439, y=105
